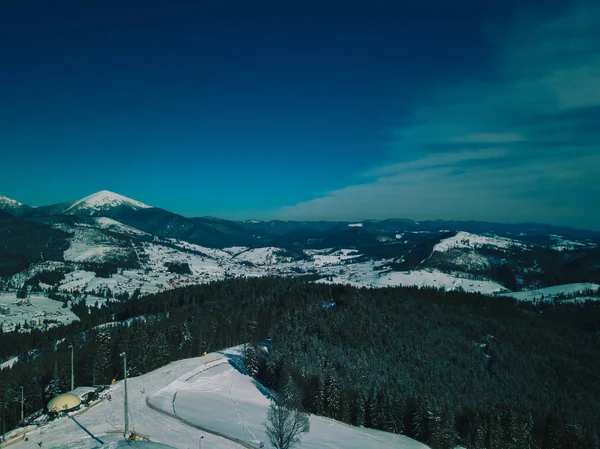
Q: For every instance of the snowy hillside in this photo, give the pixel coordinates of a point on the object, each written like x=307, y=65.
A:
x=360, y=275
x=466, y=240
x=115, y=226
x=207, y=392
x=36, y=310
x=91, y=245
x=263, y=256
x=548, y=293
x=224, y=400
x=6, y=202
x=13, y=206
x=103, y=201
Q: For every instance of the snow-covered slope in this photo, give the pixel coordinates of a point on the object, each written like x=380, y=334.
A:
x=106, y=419
x=576, y=290
x=224, y=400
x=263, y=256
x=207, y=392
x=13, y=206
x=466, y=240
x=91, y=245
x=36, y=310
x=9, y=202
x=364, y=274
x=115, y=226
x=103, y=201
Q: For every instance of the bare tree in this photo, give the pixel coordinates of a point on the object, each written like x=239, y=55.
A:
x=285, y=426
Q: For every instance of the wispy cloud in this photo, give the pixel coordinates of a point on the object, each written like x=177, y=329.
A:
x=523, y=147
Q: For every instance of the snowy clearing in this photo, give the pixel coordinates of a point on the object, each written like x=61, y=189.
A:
x=362, y=276
x=36, y=310
x=549, y=293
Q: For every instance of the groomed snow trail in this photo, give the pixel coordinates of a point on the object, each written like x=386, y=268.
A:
x=106, y=416
x=223, y=400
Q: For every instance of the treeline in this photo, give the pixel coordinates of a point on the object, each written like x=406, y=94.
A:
x=445, y=368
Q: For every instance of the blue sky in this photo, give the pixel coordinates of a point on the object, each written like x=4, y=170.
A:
x=324, y=110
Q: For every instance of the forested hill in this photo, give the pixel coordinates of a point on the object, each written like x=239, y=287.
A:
x=442, y=367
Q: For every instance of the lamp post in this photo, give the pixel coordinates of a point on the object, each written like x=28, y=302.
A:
x=125, y=385
x=200, y=442
x=72, y=369
x=22, y=404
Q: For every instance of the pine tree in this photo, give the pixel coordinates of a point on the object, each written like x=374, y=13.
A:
x=251, y=361
x=442, y=430
x=271, y=372
x=101, y=356
x=332, y=392
x=359, y=411
x=421, y=421
x=291, y=395
x=320, y=397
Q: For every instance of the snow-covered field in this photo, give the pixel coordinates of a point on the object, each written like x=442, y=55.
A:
x=207, y=392
x=33, y=310
x=548, y=293
x=263, y=256
x=361, y=275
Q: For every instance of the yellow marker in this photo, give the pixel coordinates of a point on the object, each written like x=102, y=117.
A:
x=204, y=353
x=113, y=381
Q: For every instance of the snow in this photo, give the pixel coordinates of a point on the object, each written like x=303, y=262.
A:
x=223, y=400
x=104, y=200
x=472, y=241
x=355, y=225
x=32, y=310
x=335, y=258
x=263, y=256
x=9, y=363
x=116, y=226
x=235, y=249
x=365, y=274
x=209, y=252
x=105, y=420
x=4, y=200
x=562, y=244
x=207, y=392
x=550, y=292
x=92, y=245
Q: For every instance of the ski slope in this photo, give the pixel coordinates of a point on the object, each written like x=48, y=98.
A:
x=223, y=400
x=207, y=392
x=105, y=420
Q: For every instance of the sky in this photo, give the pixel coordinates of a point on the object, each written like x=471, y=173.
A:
x=335, y=110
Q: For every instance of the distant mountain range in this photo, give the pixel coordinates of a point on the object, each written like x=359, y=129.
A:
x=516, y=256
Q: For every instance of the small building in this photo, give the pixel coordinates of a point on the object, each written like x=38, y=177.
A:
x=64, y=403
x=85, y=394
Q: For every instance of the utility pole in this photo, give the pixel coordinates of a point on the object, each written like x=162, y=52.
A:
x=72, y=370
x=22, y=405
x=125, y=402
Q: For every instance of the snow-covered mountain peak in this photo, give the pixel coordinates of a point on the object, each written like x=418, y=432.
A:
x=105, y=200
x=5, y=201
